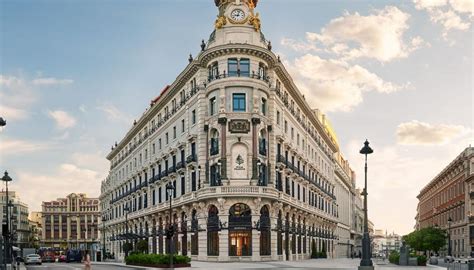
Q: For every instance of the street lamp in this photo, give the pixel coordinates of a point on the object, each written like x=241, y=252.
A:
x=126, y=210
x=449, y=236
x=7, y=179
x=366, y=262
x=169, y=234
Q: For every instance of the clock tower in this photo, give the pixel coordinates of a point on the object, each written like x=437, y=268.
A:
x=237, y=23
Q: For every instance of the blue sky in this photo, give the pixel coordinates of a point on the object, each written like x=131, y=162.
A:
x=74, y=75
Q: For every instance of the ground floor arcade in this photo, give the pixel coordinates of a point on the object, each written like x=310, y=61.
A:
x=230, y=229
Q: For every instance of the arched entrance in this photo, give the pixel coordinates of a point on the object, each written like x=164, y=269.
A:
x=240, y=230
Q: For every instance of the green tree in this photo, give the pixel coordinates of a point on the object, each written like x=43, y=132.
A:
x=426, y=239
x=127, y=247
x=142, y=246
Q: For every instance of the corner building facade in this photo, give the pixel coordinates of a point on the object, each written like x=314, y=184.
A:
x=251, y=162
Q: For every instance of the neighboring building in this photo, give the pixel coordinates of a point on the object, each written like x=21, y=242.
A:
x=357, y=228
x=36, y=231
x=450, y=195
x=70, y=222
x=384, y=243
x=19, y=226
x=252, y=164
x=344, y=178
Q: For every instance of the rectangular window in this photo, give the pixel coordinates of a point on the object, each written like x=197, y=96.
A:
x=244, y=67
x=193, y=117
x=166, y=138
x=264, y=106
x=238, y=101
x=182, y=126
x=232, y=64
x=159, y=144
x=278, y=118
x=159, y=195
x=212, y=106
x=174, y=132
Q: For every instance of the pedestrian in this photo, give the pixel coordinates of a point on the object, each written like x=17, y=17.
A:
x=87, y=261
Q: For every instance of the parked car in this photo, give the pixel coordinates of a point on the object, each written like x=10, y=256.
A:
x=73, y=255
x=62, y=258
x=33, y=259
x=48, y=258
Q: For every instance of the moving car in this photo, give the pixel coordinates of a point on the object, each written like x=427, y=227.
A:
x=33, y=259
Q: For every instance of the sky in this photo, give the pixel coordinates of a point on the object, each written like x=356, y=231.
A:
x=75, y=74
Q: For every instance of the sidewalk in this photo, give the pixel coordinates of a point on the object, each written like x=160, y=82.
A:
x=320, y=264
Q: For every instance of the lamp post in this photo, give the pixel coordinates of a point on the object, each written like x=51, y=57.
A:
x=170, y=188
x=103, y=239
x=6, y=260
x=126, y=209
x=366, y=262
x=449, y=236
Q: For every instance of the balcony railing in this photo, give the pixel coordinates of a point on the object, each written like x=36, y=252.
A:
x=191, y=158
x=224, y=75
x=156, y=127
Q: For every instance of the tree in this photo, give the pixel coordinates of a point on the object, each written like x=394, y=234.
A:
x=127, y=247
x=142, y=246
x=426, y=239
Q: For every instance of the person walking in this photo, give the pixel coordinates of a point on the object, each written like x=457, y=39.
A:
x=87, y=261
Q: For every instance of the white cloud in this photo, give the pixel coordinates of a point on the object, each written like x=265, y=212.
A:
x=114, y=114
x=17, y=147
x=18, y=94
x=420, y=133
x=13, y=113
x=63, y=119
x=51, y=81
x=65, y=179
x=452, y=15
x=333, y=85
x=378, y=36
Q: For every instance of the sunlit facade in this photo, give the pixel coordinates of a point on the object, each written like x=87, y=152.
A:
x=252, y=164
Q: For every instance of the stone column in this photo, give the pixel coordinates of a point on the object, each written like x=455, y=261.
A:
x=206, y=169
x=223, y=238
x=223, y=122
x=255, y=122
x=202, y=235
x=274, y=234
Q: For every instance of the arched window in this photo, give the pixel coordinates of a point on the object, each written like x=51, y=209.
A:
x=299, y=235
x=280, y=234
x=287, y=236
x=293, y=242
x=194, y=236
x=265, y=233
x=240, y=230
x=213, y=231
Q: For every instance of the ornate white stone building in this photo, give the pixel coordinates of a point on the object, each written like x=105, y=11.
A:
x=252, y=164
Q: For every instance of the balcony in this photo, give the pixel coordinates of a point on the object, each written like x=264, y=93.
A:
x=191, y=159
x=171, y=170
x=164, y=173
x=224, y=75
x=181, y=165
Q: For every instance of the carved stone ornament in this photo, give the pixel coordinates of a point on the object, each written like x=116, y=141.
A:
x=239, y=126
x=220, y=22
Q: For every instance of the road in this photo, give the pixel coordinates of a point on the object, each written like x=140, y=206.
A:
x=74, y=266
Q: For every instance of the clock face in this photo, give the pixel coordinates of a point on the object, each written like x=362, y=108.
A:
x=237, y=15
